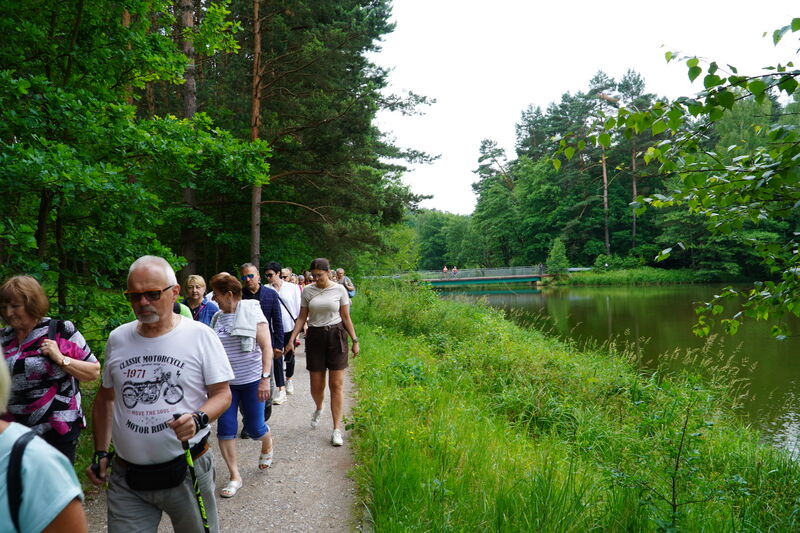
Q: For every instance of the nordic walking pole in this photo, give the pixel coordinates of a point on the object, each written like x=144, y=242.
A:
x=187, y=452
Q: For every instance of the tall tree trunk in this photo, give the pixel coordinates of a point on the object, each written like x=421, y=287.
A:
x=189, y=233
x=255, y=119
x=45, y=205
x=605, y=203
x=635, y=194
x=126, y=23
x=62, y=263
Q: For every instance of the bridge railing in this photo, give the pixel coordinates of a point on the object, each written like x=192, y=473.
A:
x=533, y=270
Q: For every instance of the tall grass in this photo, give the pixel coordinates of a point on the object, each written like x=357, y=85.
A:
x=634, y=276
x=465, y=421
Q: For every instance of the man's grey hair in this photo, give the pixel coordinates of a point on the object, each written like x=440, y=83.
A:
x=248, y=265
x=340, y=270
x=154, y=260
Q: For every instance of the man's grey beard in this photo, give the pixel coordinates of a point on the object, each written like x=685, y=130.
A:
x=151, y=317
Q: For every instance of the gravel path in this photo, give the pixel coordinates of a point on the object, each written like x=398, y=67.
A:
x=307, y=487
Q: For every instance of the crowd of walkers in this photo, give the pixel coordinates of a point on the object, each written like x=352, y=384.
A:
x=227, y=348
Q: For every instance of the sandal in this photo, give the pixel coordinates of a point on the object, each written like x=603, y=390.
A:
x=230, y=490
x=265, y=460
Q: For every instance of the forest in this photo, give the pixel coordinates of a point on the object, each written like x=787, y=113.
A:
x=210, y=132
x=524, y=202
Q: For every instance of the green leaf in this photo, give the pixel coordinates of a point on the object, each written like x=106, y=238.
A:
x=669, y=56
x=726, y=99
x=659, y=126
x=756, y=87
x=693, y=62
x=569, y=151
x=778, y=34
x=556, y=163
x=795, y=24
x=604, y=139
x=694, y=72
x=712, y=80
x=716, y=113
x=788, y=84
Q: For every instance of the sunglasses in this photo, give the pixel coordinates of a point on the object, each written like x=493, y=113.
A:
x=152, y=296
x=247, y=276
x=269, y=275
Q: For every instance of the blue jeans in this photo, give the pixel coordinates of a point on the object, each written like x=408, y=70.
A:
x=252, y=413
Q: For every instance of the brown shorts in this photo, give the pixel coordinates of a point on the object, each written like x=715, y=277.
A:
x=326, y=348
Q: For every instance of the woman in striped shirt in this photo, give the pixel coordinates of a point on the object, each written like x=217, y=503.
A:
x=243, y=330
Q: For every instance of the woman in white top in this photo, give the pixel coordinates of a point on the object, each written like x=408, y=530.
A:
x=243, y=330
x=326, y=307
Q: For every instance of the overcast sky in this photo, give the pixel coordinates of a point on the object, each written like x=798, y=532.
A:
x=486, y=62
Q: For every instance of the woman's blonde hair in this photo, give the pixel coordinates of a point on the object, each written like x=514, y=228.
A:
x=28, y=290
x=197, y=278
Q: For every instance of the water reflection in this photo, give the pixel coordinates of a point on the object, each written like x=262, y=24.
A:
x=654, y=324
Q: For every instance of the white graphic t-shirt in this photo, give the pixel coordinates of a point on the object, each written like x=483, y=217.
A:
x=154, y=378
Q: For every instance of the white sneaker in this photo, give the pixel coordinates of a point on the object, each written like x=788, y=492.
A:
x=336, y=437
x=289, y=387
x=279, y=398
x=315, y=417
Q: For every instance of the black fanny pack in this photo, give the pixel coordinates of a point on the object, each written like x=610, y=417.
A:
x=162, y=475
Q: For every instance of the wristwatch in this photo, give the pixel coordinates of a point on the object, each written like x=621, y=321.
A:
x=265, y=375
x=200, y=420
x=100, y=455
x=65, y=361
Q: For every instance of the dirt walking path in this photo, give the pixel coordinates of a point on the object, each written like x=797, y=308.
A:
x=307, y=487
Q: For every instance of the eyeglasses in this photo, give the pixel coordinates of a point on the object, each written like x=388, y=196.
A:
x=269, y=275
x=248, y=276
x=152, y=296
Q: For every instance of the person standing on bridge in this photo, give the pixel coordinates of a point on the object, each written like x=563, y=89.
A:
x=444, y=272
x=326, y=307
x=455, y=271
x=158, y=366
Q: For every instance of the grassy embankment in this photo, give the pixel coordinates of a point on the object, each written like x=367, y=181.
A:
x=633, y=276
x=467, y=422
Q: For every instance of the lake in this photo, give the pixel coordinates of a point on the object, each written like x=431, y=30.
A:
x=653, y=322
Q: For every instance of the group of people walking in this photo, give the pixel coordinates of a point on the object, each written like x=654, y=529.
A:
x=165, y=378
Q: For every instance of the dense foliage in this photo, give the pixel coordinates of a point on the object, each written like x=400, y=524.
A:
x=104, y=155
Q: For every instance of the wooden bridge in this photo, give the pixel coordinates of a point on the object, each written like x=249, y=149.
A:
x=485, y=276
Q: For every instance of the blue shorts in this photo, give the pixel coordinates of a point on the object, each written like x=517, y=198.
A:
x=252, y=413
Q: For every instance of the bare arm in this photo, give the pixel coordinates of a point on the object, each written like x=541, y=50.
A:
x=71, y=519
x=80, y=370
x=344, y=312
x=219, y=398
x=298, y=327
x=101, y=428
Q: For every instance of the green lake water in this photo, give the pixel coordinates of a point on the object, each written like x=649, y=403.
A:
x=654, y=321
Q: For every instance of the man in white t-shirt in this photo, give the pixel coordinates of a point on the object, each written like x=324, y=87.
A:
x=289, y=299
x=157, y=367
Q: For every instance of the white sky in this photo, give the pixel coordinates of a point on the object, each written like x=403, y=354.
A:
x=485, y=62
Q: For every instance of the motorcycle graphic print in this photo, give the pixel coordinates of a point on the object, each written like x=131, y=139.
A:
x=149, y=392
